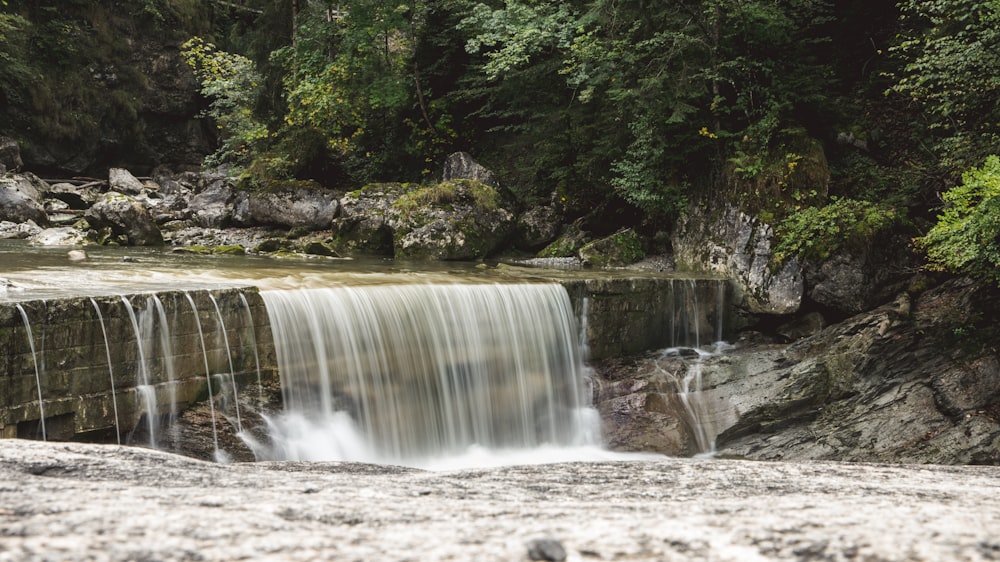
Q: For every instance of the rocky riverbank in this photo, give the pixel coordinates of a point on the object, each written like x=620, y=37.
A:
x=85, y=502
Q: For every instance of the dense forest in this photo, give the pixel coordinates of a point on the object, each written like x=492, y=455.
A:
x=835, y=121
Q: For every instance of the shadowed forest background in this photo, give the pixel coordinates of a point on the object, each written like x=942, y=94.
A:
x=838, y=122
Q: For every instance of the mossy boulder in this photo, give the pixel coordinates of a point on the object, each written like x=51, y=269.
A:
x=620, y=249
x=453, y=220
x=567, y=245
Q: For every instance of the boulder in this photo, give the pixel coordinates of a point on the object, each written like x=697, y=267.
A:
x=122, y=181
x=620, y=249
x=10, y=155
x=730, y=243
x=309, y=209
x=213, y=206
x=461, y=166
x=59, y=236
x=568, y=244
x=453, y=220
x=125, y=217
x=18, y=231
x=538, y=226
x=20, y=199
x=363, y=226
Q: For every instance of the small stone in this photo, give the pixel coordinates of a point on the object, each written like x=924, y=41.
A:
x=76, y=255
x=546, y=549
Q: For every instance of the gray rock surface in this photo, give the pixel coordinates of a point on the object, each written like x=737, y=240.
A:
x=311, y=209
x=858, y=279
x=213, y=206
x=91, y=502
x=122, y=181
x=912, y=382
x=127, y=217
x=18, y=231
x=20, y=200
x=462, y=166
x=730, y=243
x=59, y=236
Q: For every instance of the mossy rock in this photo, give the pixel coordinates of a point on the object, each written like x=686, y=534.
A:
x=567, y=245
x=621, y=248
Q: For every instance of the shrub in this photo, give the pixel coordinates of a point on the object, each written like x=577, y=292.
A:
x=966, y=238
x=818, y=232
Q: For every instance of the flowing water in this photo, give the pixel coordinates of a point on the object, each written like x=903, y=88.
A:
x=111, y=370
x=439, y=367
x=38, y=376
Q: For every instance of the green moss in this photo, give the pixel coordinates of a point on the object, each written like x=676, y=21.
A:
x=621, y=248
x=229, y=250
x=446, y=194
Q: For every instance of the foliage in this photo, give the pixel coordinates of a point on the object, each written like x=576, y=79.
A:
x=816, y=233
x=231, y=82
x=950, y=55
x=445, y=193
x=965, y=239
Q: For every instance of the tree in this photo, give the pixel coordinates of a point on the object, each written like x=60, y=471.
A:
x=950, y=55
x=966, y=238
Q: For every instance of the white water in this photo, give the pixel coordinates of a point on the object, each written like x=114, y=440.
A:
x=111, y=373
x=208, y=378
x=253, y=345
x=154, y=309
x=38, y=376
x=429, y=374
x=229, y=358
x=142, y=383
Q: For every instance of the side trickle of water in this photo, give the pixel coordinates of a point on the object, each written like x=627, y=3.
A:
x=253, y=345
x=229, y=358
x=155, y=306
x=38, y=375
x=111, y=373
x=143, y=385
x=414, y=371
x=208, y=375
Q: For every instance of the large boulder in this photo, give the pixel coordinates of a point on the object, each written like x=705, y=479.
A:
x=363, y=226
x=10, y=155
x=126, y=217
x=20, y=199
x=730, y=243
x=79, y=197
x=213, y=207
x=453, y=220
x=59, y=236
x=18, y=231
x=310, y=209
x=539, y=225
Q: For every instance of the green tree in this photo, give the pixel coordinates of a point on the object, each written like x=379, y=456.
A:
x=966, y=238
x=950, y=55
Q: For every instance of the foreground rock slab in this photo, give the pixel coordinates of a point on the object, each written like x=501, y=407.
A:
x=93, y=502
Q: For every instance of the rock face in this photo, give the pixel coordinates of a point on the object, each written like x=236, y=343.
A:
x=213, y=207
x=74, y=502
x=20, y=199
x=907, y=382
x=125, y=217
x=730, y=243
x=310, y=209
x=860, y=279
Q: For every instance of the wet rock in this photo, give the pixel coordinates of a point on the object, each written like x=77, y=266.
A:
x=10, y=155
x=620, y=249
x=75, y=502
x=125, y=217
x=461, y=166
x=122, y=181
x=309, y=209
x=18, y=231
x=730, y=243
x=546, y=549
x=76, y=255
x=59, y=236
x=20, y=200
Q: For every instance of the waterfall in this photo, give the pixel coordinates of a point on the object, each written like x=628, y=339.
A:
x=111, y=372
x=143, y=385
x=229, y=359
x=219, y=455
x=38, y=376
x=398, y=373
